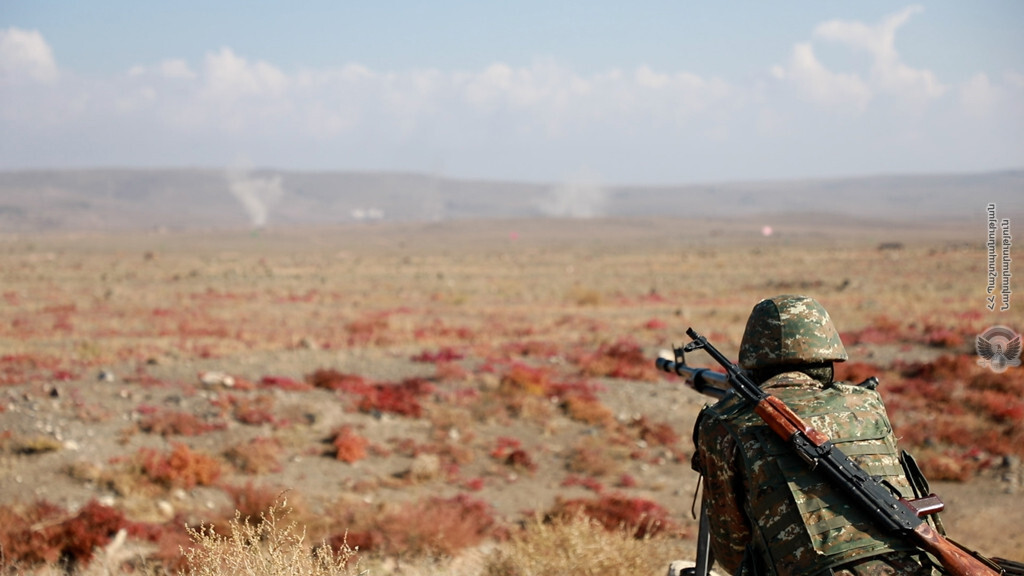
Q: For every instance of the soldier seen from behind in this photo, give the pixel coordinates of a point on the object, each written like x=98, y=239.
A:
x=768, y=512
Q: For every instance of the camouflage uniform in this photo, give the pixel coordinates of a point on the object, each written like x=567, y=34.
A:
x=762, y=499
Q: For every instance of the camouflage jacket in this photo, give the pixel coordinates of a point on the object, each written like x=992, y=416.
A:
x=760, y=494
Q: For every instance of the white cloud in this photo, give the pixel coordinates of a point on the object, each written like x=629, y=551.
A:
x=978, y=96
x=25, y=55
x=822, y=86
x=1015, y=80
x=880, y=39
x=516, y=121
x=983, y=98
x=888, y=74
x=175, y=68
x=172, y=68
x=231, y=77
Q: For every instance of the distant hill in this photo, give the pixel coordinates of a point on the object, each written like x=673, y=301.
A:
x=122, y=199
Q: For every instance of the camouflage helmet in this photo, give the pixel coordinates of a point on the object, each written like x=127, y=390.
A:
x=789, y=330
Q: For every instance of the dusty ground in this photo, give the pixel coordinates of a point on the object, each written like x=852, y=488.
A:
x=155, y=311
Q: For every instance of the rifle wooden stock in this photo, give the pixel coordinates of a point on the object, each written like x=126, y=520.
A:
x=785, y=423
x=953, y=558
x=887, y=511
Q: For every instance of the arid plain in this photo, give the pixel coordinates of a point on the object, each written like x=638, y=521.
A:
x=432, y=388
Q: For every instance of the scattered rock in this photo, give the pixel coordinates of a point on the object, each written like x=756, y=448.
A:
x=425, y=467
x=216, y=378
x=166, y=508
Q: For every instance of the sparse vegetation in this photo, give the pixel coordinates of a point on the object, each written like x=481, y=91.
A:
x=180, y=468
x=264, y=547
x=438, y=414
x=578, y=546
x=44, y=533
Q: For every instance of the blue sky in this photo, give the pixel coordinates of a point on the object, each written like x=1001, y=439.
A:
x=656, y=92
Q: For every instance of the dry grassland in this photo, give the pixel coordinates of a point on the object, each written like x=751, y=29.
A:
x=425, y=393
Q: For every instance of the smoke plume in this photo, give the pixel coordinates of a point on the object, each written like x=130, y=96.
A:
x=580, y=196
x=256, y=194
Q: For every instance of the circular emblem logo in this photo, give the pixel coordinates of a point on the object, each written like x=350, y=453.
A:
x=998, y=348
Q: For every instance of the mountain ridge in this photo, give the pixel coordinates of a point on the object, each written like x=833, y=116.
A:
x=192, y=198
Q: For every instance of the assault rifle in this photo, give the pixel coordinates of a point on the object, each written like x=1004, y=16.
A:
x=890, y=512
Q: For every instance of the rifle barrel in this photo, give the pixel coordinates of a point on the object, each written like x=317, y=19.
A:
x=703, y=380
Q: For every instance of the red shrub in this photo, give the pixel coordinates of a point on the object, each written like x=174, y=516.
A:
x=253, y=411
x=1010, y=382
x=450, y=371
x=440, y=526
x=505, y=446
x=176, y=423
x=349, y=446
x=592, y=456
x=24, y=368
x=564, y=390
x=257, y=456
x=402, y=398
x=93, y=527
x=437, y=329
x=947, y=467
x=588, y=411
x=23, y=545
x=251, y=501
x=434, y=526
x=170, y=538
x=338, y=381
x=531, y=348
x=616, y=512
x=655, y=324
x=882, y=330
x=520, y=379
x=627, y=481
x=621, y=359
x=520, y=460
x=181, y=468
x=284, y=383
x=63, y=375
x=952, y=405
x=654, y=433
x=38, y=536
x=943, y=368
x=855, y=372
x=1000, y=406
x=587, y=482
x=941, y=337
x=445, y=354
x=370, y=329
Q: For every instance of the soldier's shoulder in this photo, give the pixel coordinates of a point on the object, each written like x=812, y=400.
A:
x=791, y=380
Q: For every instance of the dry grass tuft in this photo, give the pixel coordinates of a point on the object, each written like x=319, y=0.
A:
x=578, y=546
x=268, y=547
